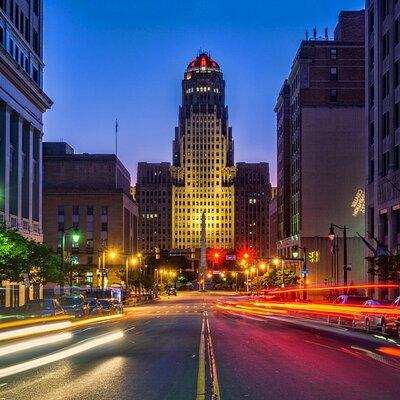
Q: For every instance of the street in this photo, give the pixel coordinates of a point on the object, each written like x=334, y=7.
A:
x=183, y=348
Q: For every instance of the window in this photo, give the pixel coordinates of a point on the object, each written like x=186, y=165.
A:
x=396, y=73
x=2, y=36
x=35, y=75
x=397, y=157
x=385, y=163
x=371, y=172
x=385, y=124
x=36, y=7
x=11, y=47
x=61, y=210
x=396, y=31
x=75, y=210
x=385, y=85
x=333, y=54
x=35, y=43
x=371, y=96
x=371, y=58
x=3, y=4
x=334, y=95
x=385, y=45
x=334, y=74
x=384, y=8
x=397, y=115
x=371, y=133
x=371, y=18
x=104, y=210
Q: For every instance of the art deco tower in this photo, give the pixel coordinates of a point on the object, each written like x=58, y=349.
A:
x=203, y=170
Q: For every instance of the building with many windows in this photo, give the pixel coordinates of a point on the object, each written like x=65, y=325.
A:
x=320, y=133
x=383, y=122
x=90, y=192
x=22, y=104
x=153, y=195
x=252, y=198
x=203, y=169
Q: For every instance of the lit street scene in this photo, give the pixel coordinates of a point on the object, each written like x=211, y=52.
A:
x=199, y=200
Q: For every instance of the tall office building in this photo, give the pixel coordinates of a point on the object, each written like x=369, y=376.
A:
x=320, y=126
x=153, y=195
x=252, y=198
x=203, y=169
x=22, y=104
x=383, y=121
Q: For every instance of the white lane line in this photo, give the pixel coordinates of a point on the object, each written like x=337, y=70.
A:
x=129, y=329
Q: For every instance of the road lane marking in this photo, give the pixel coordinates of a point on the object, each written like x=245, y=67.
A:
x=201, y=374
x=213, y=366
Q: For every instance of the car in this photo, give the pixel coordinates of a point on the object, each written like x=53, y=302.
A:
x=107, y=306
x=367, y=320
x=75, y=305
x=42, y=308
x=351, y=300
x=390, y=322
x=94, y=305
x=171, y=292
x=117, y=305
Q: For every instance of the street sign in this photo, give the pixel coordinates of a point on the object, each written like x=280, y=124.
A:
x=348, y=267
x=230, y=257
x=215, y=272
x=305, y=271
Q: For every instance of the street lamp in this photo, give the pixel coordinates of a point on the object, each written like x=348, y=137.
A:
x=76, y=235
x=331, y=237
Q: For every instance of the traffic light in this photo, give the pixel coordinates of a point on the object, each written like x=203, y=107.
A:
x=216, y=256
x=76, y=236
x=157, y=253
x=295, y=251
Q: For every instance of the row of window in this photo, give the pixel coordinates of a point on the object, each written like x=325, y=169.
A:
x=202, y=89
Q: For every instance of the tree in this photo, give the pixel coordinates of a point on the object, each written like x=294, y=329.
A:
x=274, y=278
x=22, y=259
x=386, y=267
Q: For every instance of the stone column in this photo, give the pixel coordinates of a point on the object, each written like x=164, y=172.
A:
x=20, y=169
x=30, y=163
x=7, y=122
x=40, y=161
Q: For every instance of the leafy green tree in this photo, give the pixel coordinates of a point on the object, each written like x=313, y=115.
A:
x=274, y=278
x=386, y=267
x=21, y=258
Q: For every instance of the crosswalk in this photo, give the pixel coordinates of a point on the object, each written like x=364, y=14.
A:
x=168, y=309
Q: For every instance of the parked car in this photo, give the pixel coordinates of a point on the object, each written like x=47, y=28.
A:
x=117, y=305
x=75, y=305
x=391, y=322
x=351, y=300
x=107, y=306
x=42, y=308
x=367, y=320
x=171, y=291
x=94, y=306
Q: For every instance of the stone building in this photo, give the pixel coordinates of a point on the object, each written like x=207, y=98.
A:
x=252, y=197
x=153, y=195
x=90, y=192
x=382, y=116
x=320, y=126
x=22, y=104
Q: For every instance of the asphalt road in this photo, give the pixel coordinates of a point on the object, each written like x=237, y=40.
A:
x=182, y=348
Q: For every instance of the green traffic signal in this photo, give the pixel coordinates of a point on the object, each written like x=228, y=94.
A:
x=76, y=236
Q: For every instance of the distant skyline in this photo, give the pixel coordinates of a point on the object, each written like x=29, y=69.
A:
x=107, y=60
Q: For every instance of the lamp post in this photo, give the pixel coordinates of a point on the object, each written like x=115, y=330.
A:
x=332, y=236
x=75, y=239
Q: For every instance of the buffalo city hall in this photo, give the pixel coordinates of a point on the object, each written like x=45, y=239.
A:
x=202, y=178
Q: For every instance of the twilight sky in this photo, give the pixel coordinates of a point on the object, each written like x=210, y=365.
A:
x=125, y=59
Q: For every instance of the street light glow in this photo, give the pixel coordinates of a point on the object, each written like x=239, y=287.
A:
x=276, y=261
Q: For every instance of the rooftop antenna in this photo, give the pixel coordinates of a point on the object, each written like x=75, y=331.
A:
x=326, y=33
x=314, y=33
x=116, y=136
x=306, y=34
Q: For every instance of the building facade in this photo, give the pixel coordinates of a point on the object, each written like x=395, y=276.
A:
x=154, y=197
x=383, y=122
x=90, y=192
x=22, y=104
x=273, y=223
x=203, y=168
x=320, y=126
x=252, y=197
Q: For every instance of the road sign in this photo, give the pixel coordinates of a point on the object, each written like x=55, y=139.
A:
x=230, y=257
x=215, y=272
x=305, y=271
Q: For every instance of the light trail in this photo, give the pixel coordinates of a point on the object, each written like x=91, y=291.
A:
x=96, y=319
x=60, y=355
x=325, y=288
x=31, y=321
x=29, y=344
x=33, y=330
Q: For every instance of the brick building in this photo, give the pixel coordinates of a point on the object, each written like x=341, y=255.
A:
x=252, y=197
x=383, y=122
x=154, y=196
x=92, y=193
x=320, y=126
